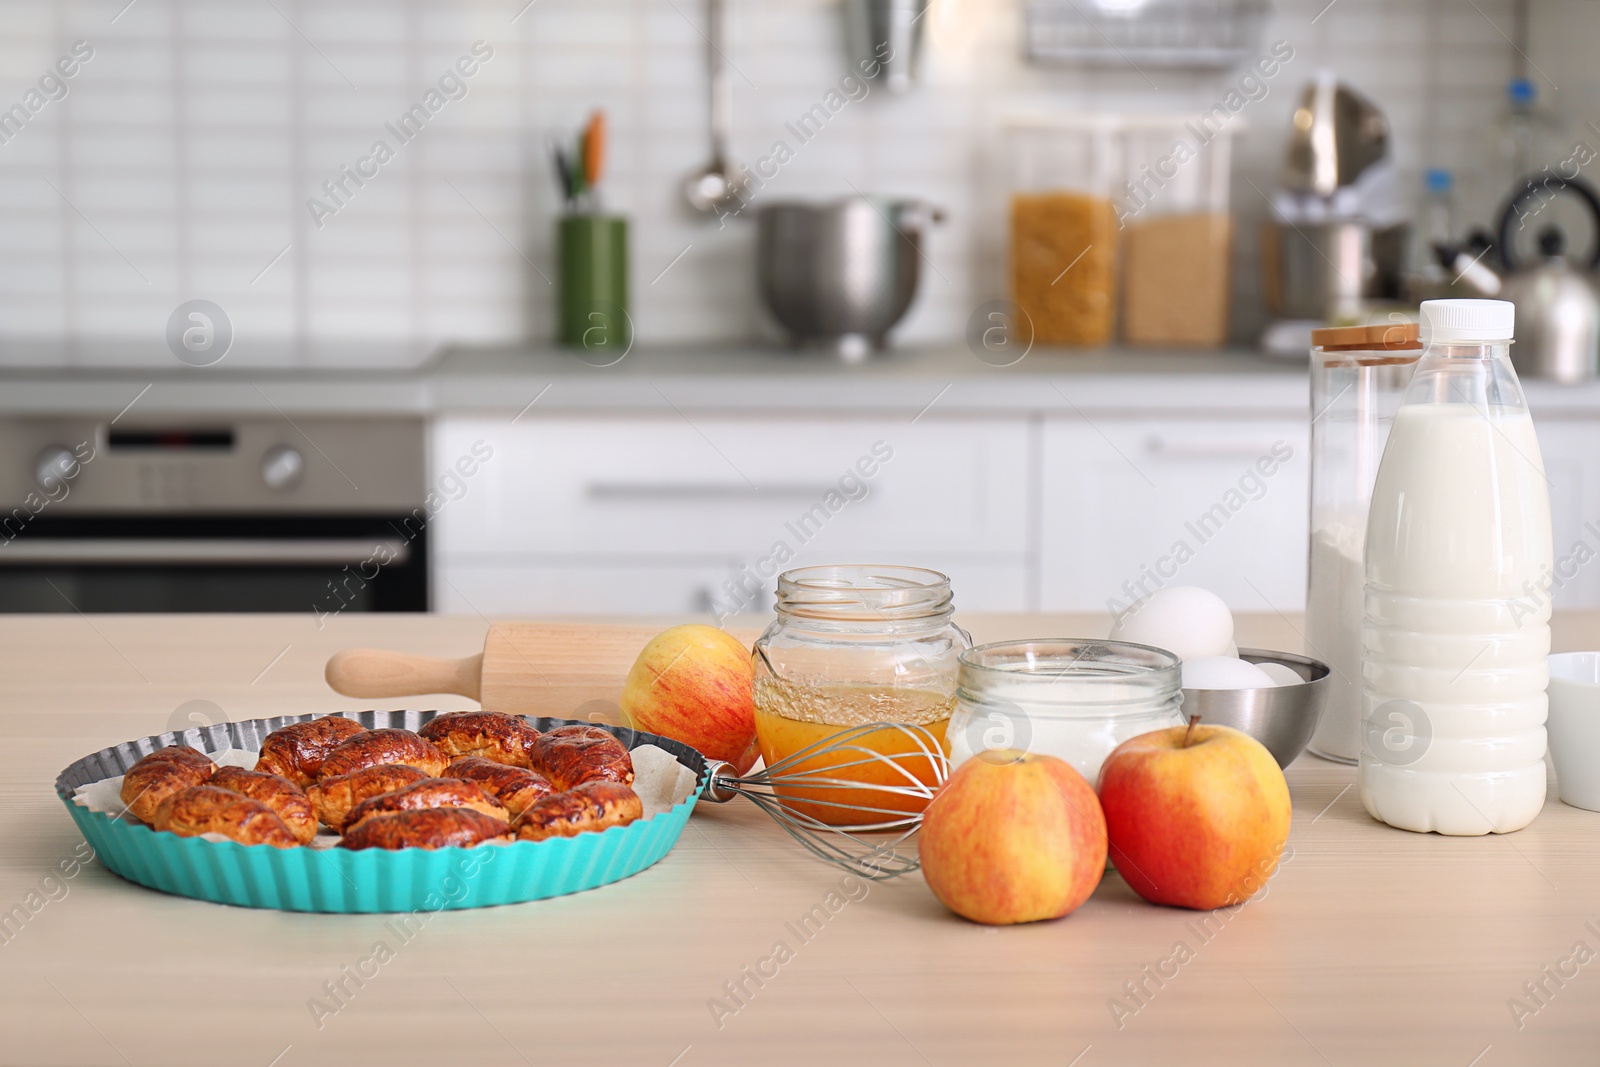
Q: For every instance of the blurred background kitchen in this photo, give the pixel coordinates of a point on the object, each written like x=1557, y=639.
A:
x=641, y=301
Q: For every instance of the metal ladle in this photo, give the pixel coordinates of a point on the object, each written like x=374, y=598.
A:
x=715, y=191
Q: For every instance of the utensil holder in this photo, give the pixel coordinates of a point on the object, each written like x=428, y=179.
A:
x=593, y=290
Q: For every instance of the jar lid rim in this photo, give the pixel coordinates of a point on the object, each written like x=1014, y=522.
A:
x=830, y=576
x=864, y=592
x=1041, y=655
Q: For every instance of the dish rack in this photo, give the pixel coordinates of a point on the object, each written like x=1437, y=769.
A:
x=1158, y=33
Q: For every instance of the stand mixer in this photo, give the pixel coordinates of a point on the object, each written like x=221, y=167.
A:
x=1337, y=238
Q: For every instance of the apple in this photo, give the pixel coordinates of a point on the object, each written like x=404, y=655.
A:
x=1197, y=815
x=1013, y=837
x=695, y=684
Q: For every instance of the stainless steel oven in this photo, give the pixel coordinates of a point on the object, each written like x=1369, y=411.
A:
x=196, y=514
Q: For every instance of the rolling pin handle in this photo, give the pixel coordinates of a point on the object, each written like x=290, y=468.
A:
x=379, y=673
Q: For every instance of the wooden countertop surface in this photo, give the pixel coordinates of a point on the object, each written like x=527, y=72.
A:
x=1370, y=945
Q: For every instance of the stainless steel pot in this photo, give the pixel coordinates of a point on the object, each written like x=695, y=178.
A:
x=841, y=274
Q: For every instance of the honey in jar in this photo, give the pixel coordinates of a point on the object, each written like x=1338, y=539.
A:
x=790, y=718
x=853, y=646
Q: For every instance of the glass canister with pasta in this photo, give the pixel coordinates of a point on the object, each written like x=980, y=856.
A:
x=1064, y=228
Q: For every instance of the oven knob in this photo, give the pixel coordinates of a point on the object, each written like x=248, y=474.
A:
x=55, y=464
x=282, y=466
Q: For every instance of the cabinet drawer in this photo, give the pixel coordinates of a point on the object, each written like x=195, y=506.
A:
x=1133, y=505
x=661, y=588
x=664, y=486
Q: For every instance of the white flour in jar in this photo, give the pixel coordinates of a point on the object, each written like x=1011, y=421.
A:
x=1334, y=609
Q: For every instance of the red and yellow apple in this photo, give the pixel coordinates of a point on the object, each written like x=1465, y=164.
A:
x=695, y=684
x=1197, y=815
x=1013, y=837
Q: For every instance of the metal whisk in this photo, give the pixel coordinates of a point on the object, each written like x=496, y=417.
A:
x=837, y=843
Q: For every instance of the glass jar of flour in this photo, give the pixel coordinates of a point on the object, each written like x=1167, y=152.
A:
x=1358, y=377
x=1072, y=699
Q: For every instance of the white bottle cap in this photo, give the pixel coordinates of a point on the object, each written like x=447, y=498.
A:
x=1467, y=322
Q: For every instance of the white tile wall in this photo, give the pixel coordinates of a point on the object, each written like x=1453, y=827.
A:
x=179, y=165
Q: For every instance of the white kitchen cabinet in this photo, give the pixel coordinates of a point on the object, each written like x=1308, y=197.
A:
x=1177, y=481
x=658, y=514
x=1134, y=504
x=1571, y=451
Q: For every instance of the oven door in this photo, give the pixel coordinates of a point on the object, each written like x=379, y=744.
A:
x=319, y=564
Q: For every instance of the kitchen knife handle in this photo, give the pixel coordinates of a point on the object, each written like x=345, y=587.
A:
x=378, y=672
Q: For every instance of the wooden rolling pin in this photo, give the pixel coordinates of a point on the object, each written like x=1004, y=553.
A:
x=566, y=670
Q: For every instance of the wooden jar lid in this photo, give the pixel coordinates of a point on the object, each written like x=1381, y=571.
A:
x=1382, y=336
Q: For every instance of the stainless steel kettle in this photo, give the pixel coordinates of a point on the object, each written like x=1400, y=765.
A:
x=1558, y=308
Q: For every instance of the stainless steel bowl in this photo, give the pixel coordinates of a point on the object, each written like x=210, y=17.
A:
x=841, y=274
x=1282, y=718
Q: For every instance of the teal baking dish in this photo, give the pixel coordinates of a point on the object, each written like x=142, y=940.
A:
x=372, y=880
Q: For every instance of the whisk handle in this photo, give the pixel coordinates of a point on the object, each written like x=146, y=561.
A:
x=721, y=782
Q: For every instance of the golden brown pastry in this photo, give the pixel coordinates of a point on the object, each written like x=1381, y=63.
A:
x=161, y=774
x=591, y=806
x=493, y=735
x=428, y=793
x=276, y=792
x=335, y=795
x=206, y=809
x=373, y=747
x=429, y=828
x=572, y=755
x=515, y=787
x=296, y=752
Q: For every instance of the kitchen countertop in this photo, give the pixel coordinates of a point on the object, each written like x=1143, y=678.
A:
x=948, y=379
x=1370, y=945
x=465, y=380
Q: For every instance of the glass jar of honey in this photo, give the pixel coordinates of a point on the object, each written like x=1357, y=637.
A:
x=851, y=646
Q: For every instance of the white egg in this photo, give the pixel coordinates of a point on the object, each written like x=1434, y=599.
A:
x=1186, y=620
x=1281, y=674
x=1224, y=672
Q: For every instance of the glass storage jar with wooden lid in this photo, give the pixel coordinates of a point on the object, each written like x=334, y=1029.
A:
x=854, y=645
x=1359, y=375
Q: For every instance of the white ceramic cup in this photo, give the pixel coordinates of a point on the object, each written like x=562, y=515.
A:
x=1574, y=727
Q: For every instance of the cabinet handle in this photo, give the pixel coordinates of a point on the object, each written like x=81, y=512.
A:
x=200, y=552
x=1206, y=448
x=708, y=491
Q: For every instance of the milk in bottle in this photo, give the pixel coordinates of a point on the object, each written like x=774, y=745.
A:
x=1456, y=623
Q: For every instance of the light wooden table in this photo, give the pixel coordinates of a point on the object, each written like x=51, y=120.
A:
x=1370, y=946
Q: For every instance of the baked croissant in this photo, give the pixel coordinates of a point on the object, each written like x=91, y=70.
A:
x=492, y=735
x=372, y=747
x=296, y=752
x=206, y=809
x=428, y=793
x=429, y=828
x=572, y=755
x=161, y=774
x=594, y=805
x=335, y=795
x=276, y=792
x=515, y=787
